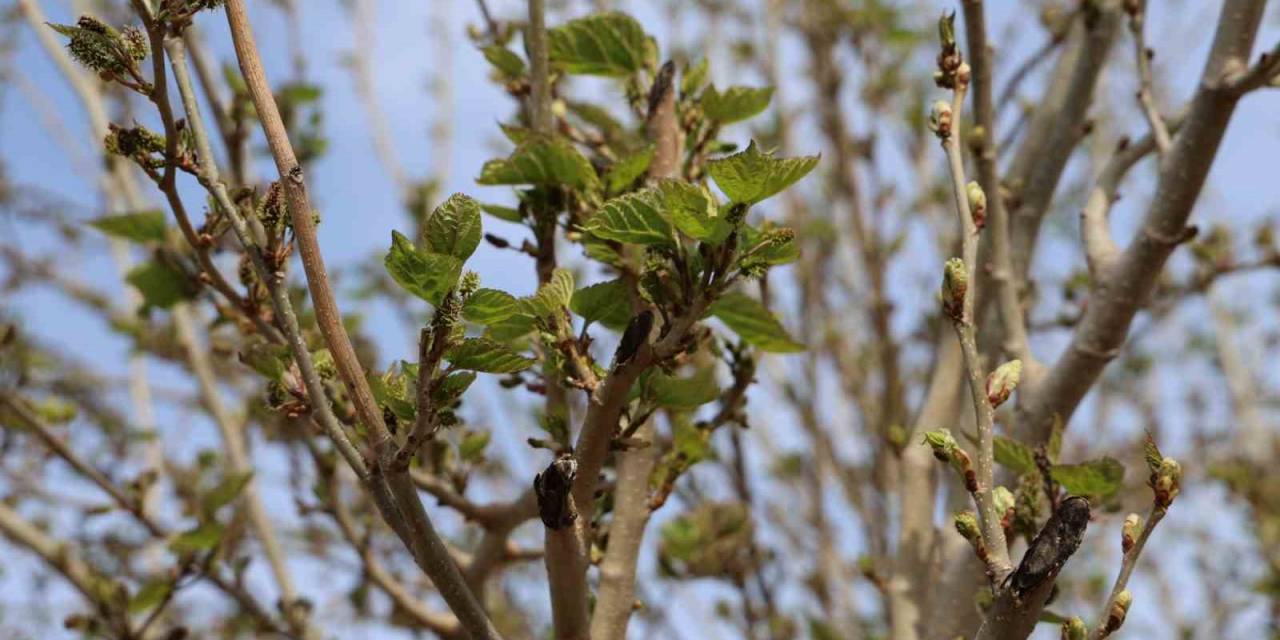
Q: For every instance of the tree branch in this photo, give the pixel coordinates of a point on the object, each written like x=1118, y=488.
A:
x=1116, y=299
x=429, y=551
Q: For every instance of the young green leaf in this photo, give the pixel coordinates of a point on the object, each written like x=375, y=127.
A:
x=1015, y=456
x=453, y=385
x=674, y=392
x=481, y=354
x=504, y=60
x=427, y=275
x=205, y=537
x=225, y=492
x=750, y=176
x=161, y=285
x=608, y=303
x=490, y=306
x=151, y=593
x=628, y=168
x=610, y=44
x=636, y=218
x=542, y=160
x=454, y=227
x=694, y=211
x=753, y=323
x=735, y=104
x=473, y=444
x=141, y=226
x=1101, y=478
x=552, y=296
x=503, y=213
x=694, y=78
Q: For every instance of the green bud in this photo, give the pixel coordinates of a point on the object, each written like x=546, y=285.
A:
x=1074, y=629
x=947, y=30
x=977, y=204
x=1124, y=599
x=1129, y=531
x=1004, y=500
x=940, y=119
x=955, y=283
x=1166, y=482
x=1002, y=382
x=967, y=524
x=944, y=445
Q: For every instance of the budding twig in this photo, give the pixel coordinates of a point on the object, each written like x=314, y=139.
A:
x=955, y=74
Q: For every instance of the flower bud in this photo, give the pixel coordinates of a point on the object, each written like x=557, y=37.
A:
x=1074, y=629
x=1129, y=531
x=1004, y=500
x=1166, y=485
x=1119, y=609
x=963, y=73
x=955, y=283
x=967, y=524
x=940, y=119
x=944, y=445
x=1002, y=382
x=977, y=204
x=961, y=461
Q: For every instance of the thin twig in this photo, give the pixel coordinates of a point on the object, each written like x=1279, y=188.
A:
x=1126, y=569
x=992, y=532
x=1160, y=132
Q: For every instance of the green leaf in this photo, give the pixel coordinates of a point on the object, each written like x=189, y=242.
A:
x=735, y=104
x=490, y=306
x=674, y=392
x=694, y=78
x=504, y=60
x=751, y=176
x=753, y=323
x=151, y=593
x=1101, y=477
x=1014, y=455
x=689, y=443
x=502, y=213
x=391, y=390
x=205, y=537
x=473, y=444
x=161, y=285
x=454, y=227
x=225, y=492
x=517, y=326
x=542, y=160
x=635, y=218
x=453, y=385
x=427, y=275
x=628, y=168
x=141, y=226
x=269, y=360
x=609, y=44
x=694, y=211
x=608, y=303
x=554, y=295
x=482, y=354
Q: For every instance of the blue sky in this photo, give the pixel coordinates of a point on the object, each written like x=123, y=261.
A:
x=360, y=206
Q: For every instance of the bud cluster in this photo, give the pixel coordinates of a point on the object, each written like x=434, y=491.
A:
x=1074, y=629
x=952, y=70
